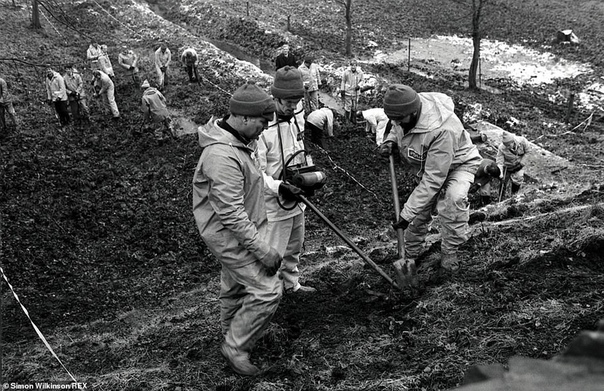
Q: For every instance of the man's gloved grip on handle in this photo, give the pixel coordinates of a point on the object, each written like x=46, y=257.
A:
x=386, y=148
x=290, y=192
x=272, y=262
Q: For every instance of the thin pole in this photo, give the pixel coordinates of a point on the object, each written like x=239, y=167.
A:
x=349, y=242
x=409, y=55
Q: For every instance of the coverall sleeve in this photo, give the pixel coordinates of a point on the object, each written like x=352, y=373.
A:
x=104, y=86
x=226, y=197
x=120, y=60
x=90, y=56
x=169, y=59
x=271, y=185
x=500, y=159
x=48, y=93
x=436, y=169
x=3, y=91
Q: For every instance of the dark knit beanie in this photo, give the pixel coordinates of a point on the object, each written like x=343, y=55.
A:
x=251, y=100
x=288, y=83
x=400, y=101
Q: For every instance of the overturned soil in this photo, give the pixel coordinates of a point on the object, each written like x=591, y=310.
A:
x=99, y=242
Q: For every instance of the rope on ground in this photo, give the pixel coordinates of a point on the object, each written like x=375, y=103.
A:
x=40, y=335
x=64, y=22
x=52, y=25
x=587, y=122
x=117, y=20
x=337, y=167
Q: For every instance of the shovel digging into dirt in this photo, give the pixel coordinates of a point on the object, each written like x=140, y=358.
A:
x=406, y=270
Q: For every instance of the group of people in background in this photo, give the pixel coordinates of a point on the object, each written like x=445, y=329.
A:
x=66, y=92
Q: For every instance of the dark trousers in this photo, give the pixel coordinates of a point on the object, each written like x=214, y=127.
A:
x=316, y=134
x=192, y=69
x=62, y=111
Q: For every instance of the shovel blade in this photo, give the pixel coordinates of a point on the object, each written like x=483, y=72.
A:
x=406, y=273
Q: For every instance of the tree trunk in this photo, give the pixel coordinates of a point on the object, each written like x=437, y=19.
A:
x=476, y=35
x=475, y=61
x=35, y=15
x=348, y=28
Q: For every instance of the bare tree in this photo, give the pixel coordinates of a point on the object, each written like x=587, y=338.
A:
x=347, y=4
x=477, y=8
x=35, y=15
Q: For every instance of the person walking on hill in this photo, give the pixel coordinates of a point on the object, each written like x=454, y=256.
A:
x=162, y=59
x=510, y=155
x=349, y=90
x=56, y=95
x=190, y=60
x=103, y=85
x=156, y=112
x=128, y=60
x=311, y=78
x=319, y=123
x=431, y=141
x=6, y=106
x=487, y=171
x=285, y=58
x=230, y=213
x=276, y=147
x=76, y=95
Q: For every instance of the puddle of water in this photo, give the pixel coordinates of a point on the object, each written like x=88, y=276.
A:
x=498, y=59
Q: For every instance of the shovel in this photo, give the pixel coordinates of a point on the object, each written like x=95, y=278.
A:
x=406, y=271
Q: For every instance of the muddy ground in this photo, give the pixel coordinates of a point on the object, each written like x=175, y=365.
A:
x=99, y=242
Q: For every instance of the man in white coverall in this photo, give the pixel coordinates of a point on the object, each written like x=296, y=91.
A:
x=276, y=146
x=230, y=213
x=432, y=142
x=162, y=59
x=103, y=85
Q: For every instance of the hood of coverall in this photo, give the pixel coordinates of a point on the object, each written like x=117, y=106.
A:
x=437, y=108
x=211, y=133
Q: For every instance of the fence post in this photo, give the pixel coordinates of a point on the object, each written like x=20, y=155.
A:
x=569, y=110
x=409, y=55
x=288, y=22
x=480, y=72
x=248, y=8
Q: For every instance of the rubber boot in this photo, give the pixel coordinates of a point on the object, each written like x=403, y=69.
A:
x=515, y=188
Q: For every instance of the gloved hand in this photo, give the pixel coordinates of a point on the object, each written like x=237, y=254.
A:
x=290, y=192
x=516, y=167
x=474, y=188
x=163, y=69
x=400, y=224
x=386, y=148
x=357, y=88
x=130, y=67
x=342, y=94
x=272, y=262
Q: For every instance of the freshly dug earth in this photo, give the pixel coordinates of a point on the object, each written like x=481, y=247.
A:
x=99, y=242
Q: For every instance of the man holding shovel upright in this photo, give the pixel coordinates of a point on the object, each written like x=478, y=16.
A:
x=434, y=144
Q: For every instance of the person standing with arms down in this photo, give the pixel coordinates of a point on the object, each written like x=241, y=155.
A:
x=6, y=106
x=276, y=146
x=56, y=95
x=349, y=90
x=76, y=94
x=162, y=59
x=230, y=213
x=432, y=141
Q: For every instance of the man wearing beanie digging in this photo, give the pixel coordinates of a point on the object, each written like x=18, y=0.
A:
x=433, y=143
x=229, y=209
x=276, y=146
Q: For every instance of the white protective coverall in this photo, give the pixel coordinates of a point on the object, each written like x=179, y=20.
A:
x=444, y=159
x=230, y=213
x=162, y=59
x=375, y=124
x=105, y=87
x=277, y=145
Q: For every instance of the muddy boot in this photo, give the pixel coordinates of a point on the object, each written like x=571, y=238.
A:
x=450, y=262
x=239, y=361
